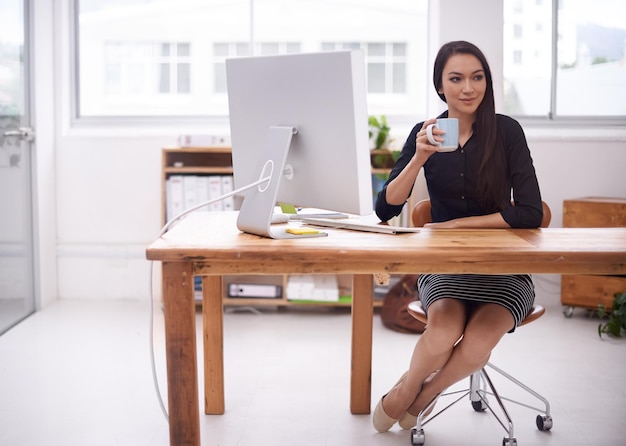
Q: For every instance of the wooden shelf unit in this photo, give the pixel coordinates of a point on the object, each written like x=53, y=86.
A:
x=587, y=291
x=193, y=161
x=218, y=161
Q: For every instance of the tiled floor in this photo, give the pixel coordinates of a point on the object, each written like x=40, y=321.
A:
x=78, y=374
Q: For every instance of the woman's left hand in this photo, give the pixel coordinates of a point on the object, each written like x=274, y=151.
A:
x=450, y=224
x=491, y=221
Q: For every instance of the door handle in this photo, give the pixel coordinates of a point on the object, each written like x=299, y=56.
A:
x=23, y=133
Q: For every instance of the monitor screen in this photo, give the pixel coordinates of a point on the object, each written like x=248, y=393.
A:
x=301, y=119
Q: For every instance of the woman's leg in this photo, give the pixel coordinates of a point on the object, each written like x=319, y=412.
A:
x=446, y=322
x=486, y=325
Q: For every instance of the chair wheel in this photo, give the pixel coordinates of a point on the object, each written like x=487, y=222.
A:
x=479, y=406
x=417, y=437
x=509, y=441
x=544, y=422
x=568, y=312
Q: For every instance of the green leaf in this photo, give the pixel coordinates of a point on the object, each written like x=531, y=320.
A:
x=614, y=328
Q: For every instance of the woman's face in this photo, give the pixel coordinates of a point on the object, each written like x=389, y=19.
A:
x=463, y=84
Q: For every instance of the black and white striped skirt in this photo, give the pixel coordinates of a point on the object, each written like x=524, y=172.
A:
x=514, y=292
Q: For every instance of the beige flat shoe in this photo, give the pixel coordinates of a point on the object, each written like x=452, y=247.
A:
x=381, y=421
x=409, y=420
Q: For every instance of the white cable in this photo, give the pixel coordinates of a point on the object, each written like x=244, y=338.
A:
x=166, y=228
x=170, y=223
x=155, y=380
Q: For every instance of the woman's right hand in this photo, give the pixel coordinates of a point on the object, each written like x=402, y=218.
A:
x=423, y=148
x=399, y=189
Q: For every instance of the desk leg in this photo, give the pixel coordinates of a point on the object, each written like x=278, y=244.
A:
x=213, y=329
x=180, y=341
x=362, y=325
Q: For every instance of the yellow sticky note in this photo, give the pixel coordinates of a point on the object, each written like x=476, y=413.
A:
x=302, y=231
x=288, y=208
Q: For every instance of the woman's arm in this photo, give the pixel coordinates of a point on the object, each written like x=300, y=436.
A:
x=489, y=221
x=527, y=211
x=398, y=187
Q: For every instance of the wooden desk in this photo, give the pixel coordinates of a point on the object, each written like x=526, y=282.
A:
x=210, y=245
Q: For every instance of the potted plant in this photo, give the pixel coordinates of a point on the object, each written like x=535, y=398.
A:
x=382, y=157
x=616, y=321
x=379, y=132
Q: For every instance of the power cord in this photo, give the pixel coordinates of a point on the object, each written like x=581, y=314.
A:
x=163, y=231
x=188, y=211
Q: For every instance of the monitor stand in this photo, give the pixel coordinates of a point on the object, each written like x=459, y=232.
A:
x=255, y=215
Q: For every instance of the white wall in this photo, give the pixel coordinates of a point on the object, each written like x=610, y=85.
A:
x=105, y=182
x=574, y=167
x=44, y=154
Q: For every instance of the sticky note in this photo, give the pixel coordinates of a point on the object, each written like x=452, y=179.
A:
x=288, y=208
x=302, y=231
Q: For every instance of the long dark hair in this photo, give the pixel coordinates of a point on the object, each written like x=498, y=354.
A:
x=492, y=193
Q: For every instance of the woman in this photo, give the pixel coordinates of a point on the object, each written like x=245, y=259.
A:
x=470, y=187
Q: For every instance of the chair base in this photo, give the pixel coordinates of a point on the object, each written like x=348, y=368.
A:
x=480, y=388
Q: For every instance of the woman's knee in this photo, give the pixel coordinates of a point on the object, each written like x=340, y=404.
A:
x=446, y=323
x=485, y=328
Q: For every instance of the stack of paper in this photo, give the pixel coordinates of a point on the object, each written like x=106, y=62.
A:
x=316, y=287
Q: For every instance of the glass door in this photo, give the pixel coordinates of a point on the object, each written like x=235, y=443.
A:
x=17, y=296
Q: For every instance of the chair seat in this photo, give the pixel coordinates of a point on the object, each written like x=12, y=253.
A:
x=416, y=310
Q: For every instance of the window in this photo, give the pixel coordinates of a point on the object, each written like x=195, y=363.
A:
x=224, y=50
x=167, y=57
x=146, y=68
x=586, y=76
x=386, y=64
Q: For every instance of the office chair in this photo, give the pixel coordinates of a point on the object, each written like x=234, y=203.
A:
x=480, y=384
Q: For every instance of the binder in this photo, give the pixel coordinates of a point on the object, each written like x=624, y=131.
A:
x=228, y=204
x=202, y=191
x=215, y=191
x=254, y=290
x=176, y=197
x=190, y=191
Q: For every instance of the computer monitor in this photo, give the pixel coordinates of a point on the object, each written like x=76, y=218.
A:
x=301, y=121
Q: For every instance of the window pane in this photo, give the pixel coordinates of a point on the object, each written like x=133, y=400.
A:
x=242, y=49
x=129, y=65
x=527, y=57
x=293, y=48
x=399, y=49
x=590, y=61
x=269, y=49
x=376, y=78
x=376, y=49
x=220, y=77
x=183, y=50
x=183, y=80
x=399, y=78
x=220, y=49
x=591, y=76
x=164, y=78
x=351, y=46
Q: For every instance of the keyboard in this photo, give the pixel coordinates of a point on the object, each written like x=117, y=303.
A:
x=354, y=224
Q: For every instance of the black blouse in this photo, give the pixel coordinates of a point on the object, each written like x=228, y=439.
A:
x=451, y=178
